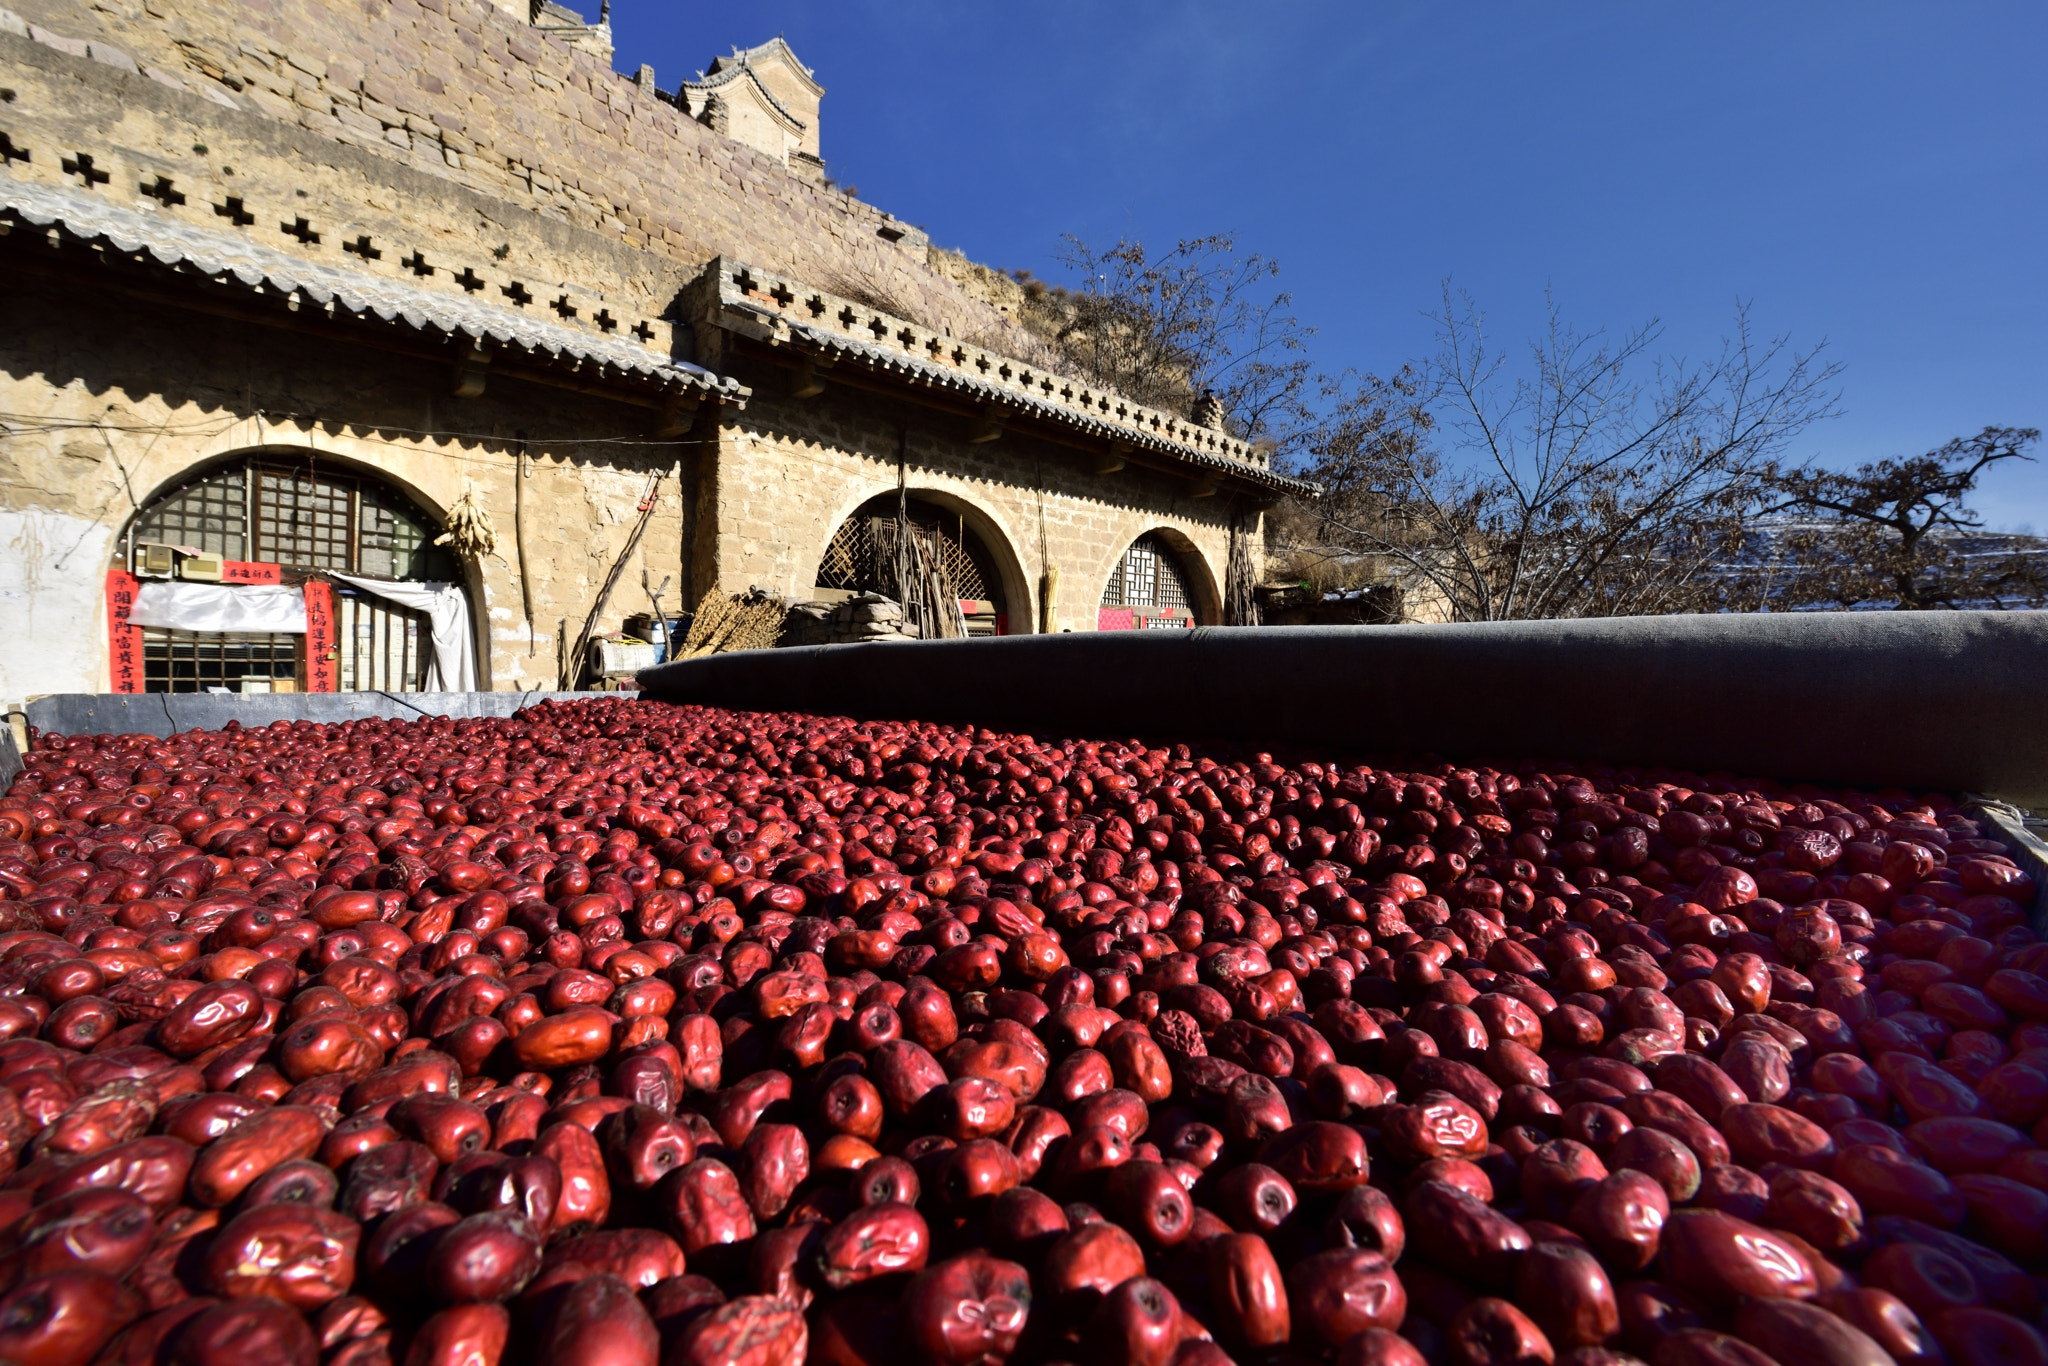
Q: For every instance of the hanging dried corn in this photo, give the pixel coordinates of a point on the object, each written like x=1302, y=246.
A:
x=469, y=529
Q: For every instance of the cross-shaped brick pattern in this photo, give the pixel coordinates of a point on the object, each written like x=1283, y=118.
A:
x=233, y=210
x=300, y=229
x=469, y=280
x=643, y=331
x=417, y=264
x=564, y=307
x=82, y=167
x=9, y=152
x=519, y=294
x=363, y=247
x=606, y=321
x=160, y=190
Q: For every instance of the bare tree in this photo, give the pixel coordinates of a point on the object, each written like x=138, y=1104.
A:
x=1166, y=330
x=1370, y=424
x=1599, y=481
x=1897, y=532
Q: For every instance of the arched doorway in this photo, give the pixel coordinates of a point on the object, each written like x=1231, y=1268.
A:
x=856, y=559
x=1151, y=588
x=288, y=519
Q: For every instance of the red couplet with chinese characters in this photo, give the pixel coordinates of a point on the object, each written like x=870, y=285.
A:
x=124, y=641
x=320, y=670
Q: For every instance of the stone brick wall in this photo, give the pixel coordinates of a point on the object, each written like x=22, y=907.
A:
x=98, y=414
x=462, y=91
x=244, y=174
x=444, y=145
x=787, y=472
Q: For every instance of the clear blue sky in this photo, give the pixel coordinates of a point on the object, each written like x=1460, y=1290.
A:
x=1873, y=175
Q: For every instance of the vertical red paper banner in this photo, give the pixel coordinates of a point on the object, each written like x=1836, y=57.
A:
x=320, y=669
x=124, y=642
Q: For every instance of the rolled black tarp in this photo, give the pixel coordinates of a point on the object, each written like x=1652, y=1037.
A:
x=1956, y=701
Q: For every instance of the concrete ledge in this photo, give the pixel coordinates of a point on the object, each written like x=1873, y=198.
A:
x=169, y=713
x=1956, y=701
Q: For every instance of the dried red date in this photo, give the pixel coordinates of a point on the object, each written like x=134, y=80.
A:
x=64, y=1317
x=218, y=1013
x=1138, y=1323
x=102, y=1230
x=226, y=1166
x=1567, y=1292
x=1721, y=1258
x=1086, y=1264
x=489, y=1256
x=876, y=1240
x=1665, y=1019
x=1461, y=1234
x=1493, y=1332
x=1333, y=1296
x=967, y=1310
x=461, y=1335
x=302, y=1256
x=705, y=1206
x=599, y=1321
x=1792, y=1331
x=586, y=1190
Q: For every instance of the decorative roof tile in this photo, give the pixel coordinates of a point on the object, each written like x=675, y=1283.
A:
x=198, y=252
x=787, y=312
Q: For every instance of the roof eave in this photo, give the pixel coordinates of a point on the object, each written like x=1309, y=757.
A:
x=744, y=317
x=205, y=260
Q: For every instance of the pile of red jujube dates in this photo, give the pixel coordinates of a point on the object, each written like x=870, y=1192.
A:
x=616, y=1033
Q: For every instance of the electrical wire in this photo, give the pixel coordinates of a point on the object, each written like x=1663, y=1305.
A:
x=22, y=424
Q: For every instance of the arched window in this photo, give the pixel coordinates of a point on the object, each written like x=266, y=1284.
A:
x=284, y=518
x=1148, y=589
x=303, y=515
x=856, y=559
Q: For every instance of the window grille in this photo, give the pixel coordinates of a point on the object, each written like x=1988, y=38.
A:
x=858, y=551
x=392, y=544
x=211, y=516
x=308, y=517
x=380, y=644
x=1148, y=575
x=301, y=515
x=194, y=661
x=304, y=520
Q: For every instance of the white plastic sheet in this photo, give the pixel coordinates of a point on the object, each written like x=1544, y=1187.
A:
x=453, y=667
x=259, y=608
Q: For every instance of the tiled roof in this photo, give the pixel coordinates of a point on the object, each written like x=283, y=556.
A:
x=732, y=73
x=789, y=313
x=228, y=260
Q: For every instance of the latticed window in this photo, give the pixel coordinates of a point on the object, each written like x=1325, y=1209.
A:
x=300, y=514
x=194, y=661
x=1148, y=575
x=861, y=551
x=304, y=519
x=307, y=516
x=389, y=542
x=380, y=647
x=211, y=516
x=857, y=558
